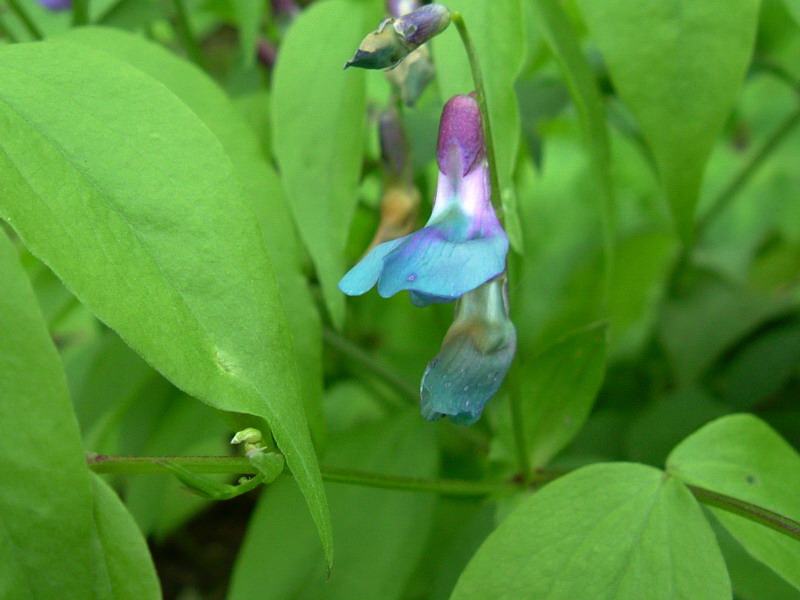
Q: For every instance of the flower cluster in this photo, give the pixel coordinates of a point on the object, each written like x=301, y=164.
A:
x=459, y=255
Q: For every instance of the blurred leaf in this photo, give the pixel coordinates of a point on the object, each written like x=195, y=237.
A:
x=666, y=421
x=496, y=29
x=260, y=182
x=762, y=366
x=794, y=8
x=556, y=28
x=318, y=124
x=379, y=533
x=678, y=65
x=556, y=391
x=131, y=200
x=132, y=14
x=743, y=457
x=697, y=327
x=611, y=528
x=124, y=568
x=45, y=493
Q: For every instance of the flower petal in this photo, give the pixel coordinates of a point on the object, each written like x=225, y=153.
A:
x=430, y=264
x=360, y=279
x=461, y=379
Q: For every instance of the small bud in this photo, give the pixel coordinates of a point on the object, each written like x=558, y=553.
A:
x=396, y=39
x=267, y=52
x=381, y=49
x=460, y=136
x=394, y=145
x=418, y=26
x=285, y=8
x=412, y=75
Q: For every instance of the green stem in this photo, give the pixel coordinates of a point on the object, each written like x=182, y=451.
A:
x=480, y=93
x=750, y=166
x=762, y=516
x=23, y=16
x=520, y=439
x=80, y=12
x=185, y=31
x=358, y=355
x=101, y=463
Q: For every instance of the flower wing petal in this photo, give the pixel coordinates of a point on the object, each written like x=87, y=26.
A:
x=363, y=276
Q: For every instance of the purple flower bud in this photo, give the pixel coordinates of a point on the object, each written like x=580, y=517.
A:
x=398, y=8
x=56, y=4
x=418, y=26
x=460, y=136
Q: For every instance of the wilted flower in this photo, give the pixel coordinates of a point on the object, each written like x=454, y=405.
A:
x=397, y=38
x=463, y=244
x=56, y=4
x=475, y=357
x=400, y=201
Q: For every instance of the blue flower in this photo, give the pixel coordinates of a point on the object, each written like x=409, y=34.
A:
x=463, y=244
x=475, y=357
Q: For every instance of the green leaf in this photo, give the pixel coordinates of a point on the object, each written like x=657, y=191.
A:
x=379, y=533
x=131, y=200
x=318, y=125
x=741, y=456
x=45, y=494
x=209, y=102
x=124, y=568
x=497, y=30
x=794, y=8
x=557, y=389
x=612, y=531
x=678, y=65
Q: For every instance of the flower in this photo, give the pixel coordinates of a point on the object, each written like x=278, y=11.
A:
x=463, y=245
x=395, y=39
x=475, y=357
x=398, y=8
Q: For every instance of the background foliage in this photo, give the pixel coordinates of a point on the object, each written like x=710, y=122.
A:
x=177, y=211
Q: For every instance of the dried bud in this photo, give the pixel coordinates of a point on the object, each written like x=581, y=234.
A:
x=412, y=75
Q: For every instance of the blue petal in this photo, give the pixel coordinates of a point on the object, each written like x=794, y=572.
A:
x=422, y=300
x=360, y=279
x=429, y=263
x=461, y=379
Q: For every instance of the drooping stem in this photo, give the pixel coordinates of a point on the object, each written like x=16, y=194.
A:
x=369, y=362
x=101, y=463
x=80, y=12
x=758, y=514
x=751, y=165
x=23, y=16
x=480, y=93
x=186, y=32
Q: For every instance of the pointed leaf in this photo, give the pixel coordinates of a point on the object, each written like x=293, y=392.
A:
x=678, y=65
x=119, y=187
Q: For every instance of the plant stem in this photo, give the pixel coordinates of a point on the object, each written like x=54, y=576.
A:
x=762, y=516
x=520, y=441
x=358, y=355
x=747, y=170
x=184, y=28
x=101, y=463
x=480, y=92
x=23, y=16
x=80, y=12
